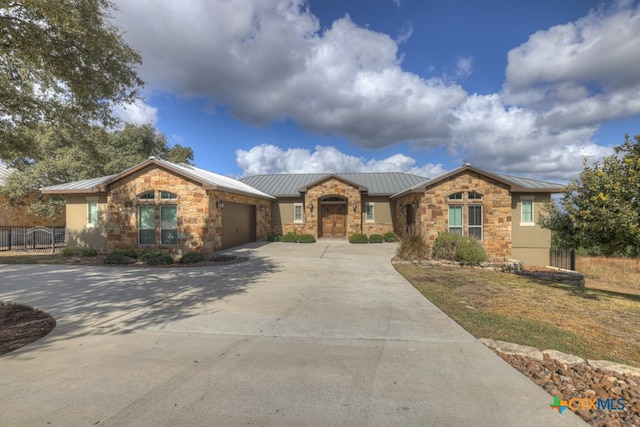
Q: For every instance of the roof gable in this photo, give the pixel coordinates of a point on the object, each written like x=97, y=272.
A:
x=515, y=184
x=208, y=180
x=333, y=176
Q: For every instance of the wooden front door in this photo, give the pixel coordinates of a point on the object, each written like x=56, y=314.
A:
x=334, y=220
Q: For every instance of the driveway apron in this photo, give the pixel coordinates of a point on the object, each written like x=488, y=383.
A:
x=323, y=334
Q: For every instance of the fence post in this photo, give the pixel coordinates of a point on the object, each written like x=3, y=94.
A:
x=572, y=259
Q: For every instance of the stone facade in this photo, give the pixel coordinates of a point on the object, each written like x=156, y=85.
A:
x=432, y=210
x=193, y=209
x=332, y=187
x=199, y=218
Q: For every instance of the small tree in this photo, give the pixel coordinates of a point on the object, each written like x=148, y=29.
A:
x=601, y=209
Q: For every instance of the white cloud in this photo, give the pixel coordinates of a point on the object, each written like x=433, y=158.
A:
x=269, y=159
x=271, y=60
x=137, y=113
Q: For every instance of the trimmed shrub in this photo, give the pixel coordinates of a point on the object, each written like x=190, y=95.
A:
x=125, y=252
x=376, y=238
x=358, y=238
x=290, y=237
x=149, y=253
x=389, y=237
x=306, y=238
x=274, y=238
x=159, y=259
x=117, y=258
x=88, y=252
x=191, y=258
x=412, y=245
x=66, y=252
x=462, y=249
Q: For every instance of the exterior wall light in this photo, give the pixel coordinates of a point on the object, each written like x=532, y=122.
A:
x=220, y=204
x=401, y=207
x=414, y=204
x=310, y=206
x=354, y=205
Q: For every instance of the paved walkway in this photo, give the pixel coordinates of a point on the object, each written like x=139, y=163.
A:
x=326, y=334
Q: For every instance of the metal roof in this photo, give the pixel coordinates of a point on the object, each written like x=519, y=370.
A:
x=377, y=183
x=516, y=183
x=84, y=186
x=5, y=171
x=209, y=180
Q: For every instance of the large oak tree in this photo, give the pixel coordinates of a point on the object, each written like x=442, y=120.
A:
x=62, y=63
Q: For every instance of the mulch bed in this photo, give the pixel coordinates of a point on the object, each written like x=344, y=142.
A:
x=21, y=325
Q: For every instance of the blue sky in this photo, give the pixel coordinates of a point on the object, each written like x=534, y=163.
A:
x=271, y=86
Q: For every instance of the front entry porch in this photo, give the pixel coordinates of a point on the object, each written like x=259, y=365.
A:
x=332, y=221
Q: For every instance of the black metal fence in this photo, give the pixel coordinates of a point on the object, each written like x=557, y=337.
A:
x=562, y=258
x=40, y=239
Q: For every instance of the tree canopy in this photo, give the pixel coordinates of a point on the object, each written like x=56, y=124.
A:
x=600, y=211
x=65, y=155
x=62, y=63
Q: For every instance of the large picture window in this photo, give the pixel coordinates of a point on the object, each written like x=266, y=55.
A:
x=157, y=219
x=465, y=216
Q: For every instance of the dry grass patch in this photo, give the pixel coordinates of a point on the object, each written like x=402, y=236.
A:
x=593, y=324
x=613, y=274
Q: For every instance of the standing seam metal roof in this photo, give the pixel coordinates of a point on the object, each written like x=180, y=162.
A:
x=377, y=183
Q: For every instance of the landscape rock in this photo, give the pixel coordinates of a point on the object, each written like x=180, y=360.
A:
x=569, y=377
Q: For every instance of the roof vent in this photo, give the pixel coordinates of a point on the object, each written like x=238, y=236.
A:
x=152, y=157
x=467, y=164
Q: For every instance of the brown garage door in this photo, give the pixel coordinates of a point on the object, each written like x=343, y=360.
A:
x=238, y=224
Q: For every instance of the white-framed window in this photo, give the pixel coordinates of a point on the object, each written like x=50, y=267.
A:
x=165, y=195
x=455, y=219
x=298, y=212
x=474, y=219
x=472, y=195
x=370, y=215
x=168, y=224
x=92, y=211
x=526, y=210
x=456, y=196
x=147, y=224
x=149, y=195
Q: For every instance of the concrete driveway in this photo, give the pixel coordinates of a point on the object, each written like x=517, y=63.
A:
x=326, y=334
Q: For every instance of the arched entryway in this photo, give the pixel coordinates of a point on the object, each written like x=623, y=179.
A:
x=332, y=221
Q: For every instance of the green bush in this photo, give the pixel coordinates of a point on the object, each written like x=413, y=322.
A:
x=149, y=253
x=191, y=258
x=306, y=238
x=412, y=245
x=67, y=252
x=290, y=237
x=131, y=253
x=358, y=238
x=376, y=238
x=117, y=258
x=274, y=238
x=88, y=252
x=463, y=249
x=159, y=259
x=389, y=237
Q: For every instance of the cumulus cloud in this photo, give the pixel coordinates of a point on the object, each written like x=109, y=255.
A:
x=271, y=60
x=269, y=159
x=137, y=113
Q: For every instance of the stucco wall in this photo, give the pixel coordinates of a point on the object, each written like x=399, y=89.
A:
x=531, y=243
x=282, y=216
x=79, y=233
x=382, y=213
